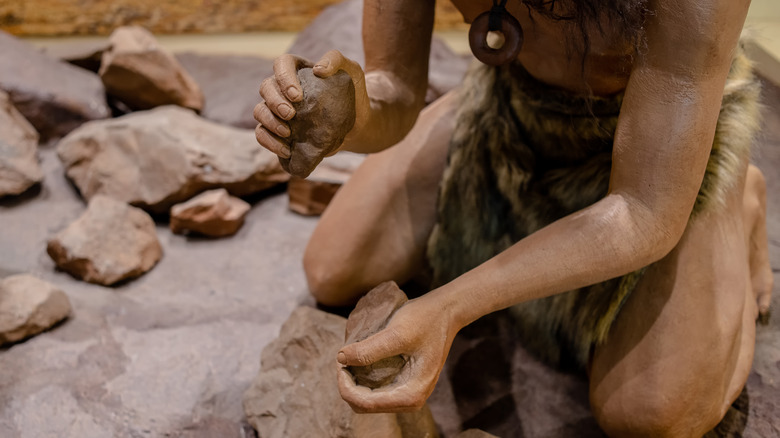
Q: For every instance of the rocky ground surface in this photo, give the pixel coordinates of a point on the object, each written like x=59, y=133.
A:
x=172, y=352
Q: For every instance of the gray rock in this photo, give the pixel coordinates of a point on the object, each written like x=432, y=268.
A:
x=54, y=96
x=155, y=159
x=230, y=85
x=323, y=117
x=340, y=26
x=143, y=75
x=213, y=213
x=29, y=306
x=19, y=168
x=111, y=242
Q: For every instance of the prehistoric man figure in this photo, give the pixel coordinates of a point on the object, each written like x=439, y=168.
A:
x=597, y=184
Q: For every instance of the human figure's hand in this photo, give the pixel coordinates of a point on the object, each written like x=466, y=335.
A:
x=283, y=89
x=422, y=332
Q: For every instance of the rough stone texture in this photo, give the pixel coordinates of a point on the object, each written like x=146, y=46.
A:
x=213, y=213
x=155, y=159
x=295, y=394
x=143, y=75
x=371, y=315
x=173, y=351
x=310, y=196
x=52, y=17
x=54, y=96
x=19, y=168
x=111, y=242
x=230, y=85
x=340, y=26
x=29, y=306
x=323, y=117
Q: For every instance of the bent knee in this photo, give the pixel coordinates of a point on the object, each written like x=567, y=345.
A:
x=332, y=282
x=655, y=415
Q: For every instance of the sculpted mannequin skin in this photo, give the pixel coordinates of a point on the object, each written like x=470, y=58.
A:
x=681, y=349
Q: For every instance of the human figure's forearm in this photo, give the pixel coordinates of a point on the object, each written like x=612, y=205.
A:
x=608, y=239
x=397, y=40
x=392, y=111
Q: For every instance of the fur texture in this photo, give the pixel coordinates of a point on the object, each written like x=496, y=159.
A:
x=523, y=155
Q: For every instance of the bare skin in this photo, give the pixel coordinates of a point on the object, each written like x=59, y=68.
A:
x=705, y=284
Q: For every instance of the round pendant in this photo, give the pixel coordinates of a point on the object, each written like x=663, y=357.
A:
x=509, y=27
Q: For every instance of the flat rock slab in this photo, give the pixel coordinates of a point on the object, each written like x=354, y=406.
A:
x=53, y=95
x=296, y=394
x=19, y=168
x=340, y=27
x=311, y=195
x=230, y=85
x=213, y=213
x=140, y=73
x=111, y=242
x=29, y=306
x=157, y=158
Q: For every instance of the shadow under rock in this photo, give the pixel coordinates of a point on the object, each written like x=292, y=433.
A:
x=28, y=195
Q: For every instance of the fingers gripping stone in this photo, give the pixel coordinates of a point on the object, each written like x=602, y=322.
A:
x=323, y=118
x=370, y=316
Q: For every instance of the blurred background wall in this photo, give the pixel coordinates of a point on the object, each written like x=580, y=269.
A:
x=100, y=17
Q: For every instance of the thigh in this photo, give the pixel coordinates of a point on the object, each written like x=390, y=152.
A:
x=377, y=225
x=681, y=343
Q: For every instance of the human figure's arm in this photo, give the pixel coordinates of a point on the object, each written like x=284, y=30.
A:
x=661, y=148
x=388, y=97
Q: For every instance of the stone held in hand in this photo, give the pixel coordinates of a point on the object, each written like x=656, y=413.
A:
x=370, y=316
x=19, y=168
x=29, y=306
x=138, y=71
x=213, y=213
x=110, y=242
x=322, y=119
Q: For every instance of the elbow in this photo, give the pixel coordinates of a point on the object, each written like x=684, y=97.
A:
x=658, y=234
x=650, y=234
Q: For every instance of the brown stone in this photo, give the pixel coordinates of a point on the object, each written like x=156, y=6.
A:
x=213, y=213
x=340, y=27
x=19, y=168
x=310, y=196
x=322, y=119
x=296, y=392
x=29, y=306
x=143, y=75
x=371, y=315
x=229, y=84
x=92, y=17
x=155, y=159
x=54, y=96
x=110, y=242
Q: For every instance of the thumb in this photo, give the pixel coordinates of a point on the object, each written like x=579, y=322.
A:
x=333, y=61
x=374, y=348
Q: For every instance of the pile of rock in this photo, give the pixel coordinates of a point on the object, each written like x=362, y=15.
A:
x=143, y=135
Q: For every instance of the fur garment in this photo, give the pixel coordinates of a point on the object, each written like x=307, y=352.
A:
x=524, y=154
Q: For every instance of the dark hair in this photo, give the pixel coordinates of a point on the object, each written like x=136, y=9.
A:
x=623, y=18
